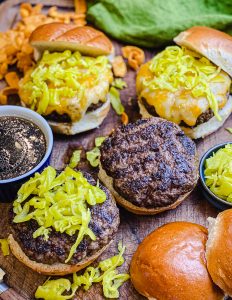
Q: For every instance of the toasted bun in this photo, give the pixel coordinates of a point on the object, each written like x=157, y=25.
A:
x=219, y=249
x=60, y=37
x=89, y=121
x=170, y=264
x=211, y=43
x=108, y=182
x=55, y=269
x=203, y=129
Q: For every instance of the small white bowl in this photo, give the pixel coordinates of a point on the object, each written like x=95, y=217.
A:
x=9, y=187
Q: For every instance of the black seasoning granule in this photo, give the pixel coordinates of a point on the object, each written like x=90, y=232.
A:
x=22, y=146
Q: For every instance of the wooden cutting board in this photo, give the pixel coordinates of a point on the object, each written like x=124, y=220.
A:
x=133, y=228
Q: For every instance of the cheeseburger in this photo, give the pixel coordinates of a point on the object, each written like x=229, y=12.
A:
x=189, y=84
x=69, y=84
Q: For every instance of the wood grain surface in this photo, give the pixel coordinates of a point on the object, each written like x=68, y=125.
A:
x=133, y=228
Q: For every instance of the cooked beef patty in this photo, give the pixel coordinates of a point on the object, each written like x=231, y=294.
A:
x=65, y=118
x=104, y=223
x=203, y=118
x=152, y=162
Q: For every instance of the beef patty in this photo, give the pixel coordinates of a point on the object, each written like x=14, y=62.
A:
x=104, y=223
x=152, y=162
x=65, y=118
x=203, y=118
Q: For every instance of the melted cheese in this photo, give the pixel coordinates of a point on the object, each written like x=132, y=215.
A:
x=180, y=105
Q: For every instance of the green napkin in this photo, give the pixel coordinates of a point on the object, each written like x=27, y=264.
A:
x=154, y=23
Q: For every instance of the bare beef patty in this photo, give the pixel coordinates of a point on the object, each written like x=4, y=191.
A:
x=104, y=223
x=152, y=162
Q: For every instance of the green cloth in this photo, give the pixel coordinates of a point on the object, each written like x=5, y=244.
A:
x=154, y=23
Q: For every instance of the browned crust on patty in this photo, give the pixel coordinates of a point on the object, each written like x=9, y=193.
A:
x=104, y=223
x=152, y=162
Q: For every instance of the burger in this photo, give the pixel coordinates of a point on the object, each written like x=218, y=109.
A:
x=62, y=221
x=69, y=85
x=218, y=250
x=189, y=84
x=149, y=166
x=170, y=264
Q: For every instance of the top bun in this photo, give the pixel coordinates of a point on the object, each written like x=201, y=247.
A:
x=170, y=264
x=211, y=43
x=61, y=37
x=219, y=249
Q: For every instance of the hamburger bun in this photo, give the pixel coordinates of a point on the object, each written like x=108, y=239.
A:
x=193, y=113
x=218, y=250
x=136, y=163
x=211, y=43
x=57, y=269
x=60, y=37
x=170, y=264
x=48, y=256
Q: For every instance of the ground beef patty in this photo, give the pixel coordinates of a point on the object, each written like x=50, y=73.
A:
x=65, y=118
x=152, y=162
x=203, y=118
x=104, y=223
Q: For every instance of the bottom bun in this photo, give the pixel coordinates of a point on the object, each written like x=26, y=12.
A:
x=54, y=269
x=90, y=121
x=108, y=182
x=218, y=250
x=201, y=130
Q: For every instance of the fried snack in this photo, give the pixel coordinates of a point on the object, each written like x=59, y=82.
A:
x=12, y=79
x=119, y=67
x=124, y=118
x=15, y=48
x=80, y=6
x=134, y=55
x=76, y=18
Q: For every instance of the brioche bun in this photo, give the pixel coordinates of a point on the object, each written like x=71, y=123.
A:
x=60, y=37
x=215, y=46
x=211, y=43
x=204, y=129
x=170, y=264
x=88, y=41
x=218, y=250
x=58, y=269
x=108, y=182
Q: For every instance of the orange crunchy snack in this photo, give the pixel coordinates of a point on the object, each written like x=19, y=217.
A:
x=80, y=6
x=124, y=118
x=134, y=55
x=119, y=66
x=15, y=47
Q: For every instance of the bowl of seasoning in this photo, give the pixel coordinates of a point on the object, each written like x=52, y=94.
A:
x=216, y=175
x=26, y=142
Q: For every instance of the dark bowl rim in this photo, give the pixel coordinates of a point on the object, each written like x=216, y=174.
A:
x=206, y=155
x=48, y=133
